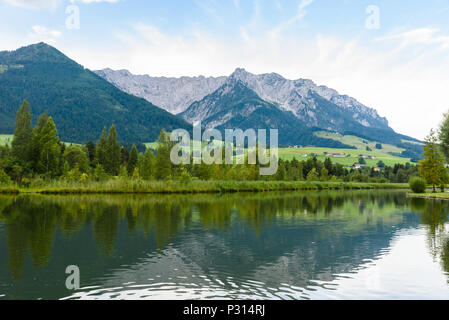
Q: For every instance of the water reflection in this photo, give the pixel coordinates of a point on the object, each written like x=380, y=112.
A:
x=434, y=215
x=254, y=245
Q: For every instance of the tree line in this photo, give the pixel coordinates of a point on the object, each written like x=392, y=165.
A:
x=38, y=153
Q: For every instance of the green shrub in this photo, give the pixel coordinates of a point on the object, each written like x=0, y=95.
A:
x=4, y=178
x=418, y=185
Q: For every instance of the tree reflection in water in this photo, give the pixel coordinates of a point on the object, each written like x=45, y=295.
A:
x=32, y=221
x=434, y=215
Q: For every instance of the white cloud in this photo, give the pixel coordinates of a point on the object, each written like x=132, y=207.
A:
x=49, y=4
x=94, y=1
x=301, y=13
x=210, y=7
x=35, y=4
x=41, y=33
x=426, y=36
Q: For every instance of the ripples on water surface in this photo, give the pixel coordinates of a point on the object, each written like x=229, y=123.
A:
x=317, y=245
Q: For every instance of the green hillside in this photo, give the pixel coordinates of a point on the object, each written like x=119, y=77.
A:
x=358, y=142
x=80, y=102
x=5, y=139
x=299, y=153
x=388, y=154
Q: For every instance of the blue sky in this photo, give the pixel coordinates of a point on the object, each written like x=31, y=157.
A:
x=400, y=68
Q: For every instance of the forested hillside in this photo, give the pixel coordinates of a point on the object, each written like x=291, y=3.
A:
x=79, y=101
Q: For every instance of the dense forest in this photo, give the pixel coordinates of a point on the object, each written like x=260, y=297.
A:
x=79, y=101
x=36, y=154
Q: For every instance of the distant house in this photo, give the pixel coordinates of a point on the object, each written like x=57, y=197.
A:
x=367, y=156
x=358, y=166
x=305, y=155
x=377, y=169
x=335, y=155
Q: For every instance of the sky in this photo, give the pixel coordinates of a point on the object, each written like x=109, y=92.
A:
x=390, y=55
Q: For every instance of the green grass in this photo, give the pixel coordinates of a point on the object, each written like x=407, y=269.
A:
x=381, y=155
x=5, y=139
x=411, y=142
x=118, y=186
x=359, y=143
x=438, y=195
x=388, y=159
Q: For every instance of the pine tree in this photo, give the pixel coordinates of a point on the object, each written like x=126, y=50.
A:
x=328, y=165
x=324, y=174
x=21, y=142
x=132, y=161
x=204, y=171
x=45, y=147
x=147, y=171
x=444, y=136
x=91, y=153
x=101, y=150
x=163, y=165
x=124, y=155
x=312, y=175
x=282, y=171
x=432, y=166
x=113, y=153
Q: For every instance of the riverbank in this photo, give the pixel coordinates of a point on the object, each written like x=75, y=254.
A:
x=160, y=187
x=438, y=195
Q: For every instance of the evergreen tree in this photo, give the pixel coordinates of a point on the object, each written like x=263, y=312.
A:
x=312, y=175
x=148, y=165
x=444, y=136
x=328, y=165
x=101, y=150
x=432, y=166
x=163, y=165
x=125, y=155
x=77, y=156
x=91, y=152
x=132, y=161
x=21, y=142
x=204, y=171
x=113, y=153
x=324, y=174
x=282, y=171
x=45, y=147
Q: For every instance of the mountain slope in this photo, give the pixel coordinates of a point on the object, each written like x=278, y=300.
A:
x=171, y=94
x=80, y=101
x=317, y=105
x=234, y=105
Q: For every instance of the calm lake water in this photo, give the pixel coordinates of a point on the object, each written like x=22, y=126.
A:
x=309, y=245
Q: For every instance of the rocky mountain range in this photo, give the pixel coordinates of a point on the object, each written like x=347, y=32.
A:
x=295, y=107
x=301, y=97
x=171, y=94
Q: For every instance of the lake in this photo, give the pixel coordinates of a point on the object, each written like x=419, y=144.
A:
x=307, y=245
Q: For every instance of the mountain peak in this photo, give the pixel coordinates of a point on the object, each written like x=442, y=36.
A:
x=35, y=53
x=240, y=72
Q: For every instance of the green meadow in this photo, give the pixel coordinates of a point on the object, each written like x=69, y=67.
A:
x=385, y=154
x=5, y=139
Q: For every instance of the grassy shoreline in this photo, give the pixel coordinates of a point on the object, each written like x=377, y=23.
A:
x=438, y=195
x=160, y=187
